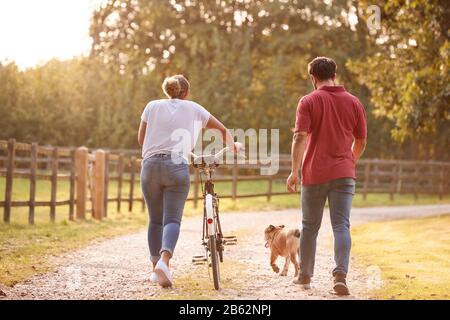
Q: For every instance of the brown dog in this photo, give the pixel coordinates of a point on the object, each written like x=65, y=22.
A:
x=285, y=243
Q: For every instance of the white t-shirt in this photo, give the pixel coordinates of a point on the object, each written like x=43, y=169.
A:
x=173, y=126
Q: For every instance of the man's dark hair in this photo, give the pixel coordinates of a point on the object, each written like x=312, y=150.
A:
x=322, y=68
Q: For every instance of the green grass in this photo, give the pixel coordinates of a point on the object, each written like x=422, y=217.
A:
x=24, y=249
x=293, y=201
x=42, y=215
x=411, y=256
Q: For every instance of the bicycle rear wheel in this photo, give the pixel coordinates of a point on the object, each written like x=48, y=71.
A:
x=214, y=261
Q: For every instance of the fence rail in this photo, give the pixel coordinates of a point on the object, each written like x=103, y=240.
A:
x=90, y=174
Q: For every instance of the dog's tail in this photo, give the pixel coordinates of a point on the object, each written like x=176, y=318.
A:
x=297, y=233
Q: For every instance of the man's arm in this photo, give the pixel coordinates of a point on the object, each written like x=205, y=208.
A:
x=141, y=132
x=360, y=132
x=297, y=151
x=358, y=147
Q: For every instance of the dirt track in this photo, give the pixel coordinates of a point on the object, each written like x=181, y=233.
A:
x=119, y=268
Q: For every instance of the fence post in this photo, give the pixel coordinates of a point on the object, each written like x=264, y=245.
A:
x=375, y=170
x=196, y=187
x=366, y=179
x=54, y=181
x=9, y=179
x=81, y=168
x=33, y=167
x=446, y=183
x=106, y=184
x=400, y=177
x=394, y=174
x=269, y=191
x=416, y=184
x=72, y=185
x=234, y=182
x=441, y=182
x=130, y=199
x=98, y=209
x=119, y=182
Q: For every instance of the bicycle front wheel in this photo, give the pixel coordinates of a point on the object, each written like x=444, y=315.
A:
x=214, y=261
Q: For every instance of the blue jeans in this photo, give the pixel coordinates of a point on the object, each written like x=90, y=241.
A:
x=340, y=194
x=165, y=186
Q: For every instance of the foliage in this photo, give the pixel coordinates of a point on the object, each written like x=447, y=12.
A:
x=246, y=61
x=409, y=73
x=75, y=102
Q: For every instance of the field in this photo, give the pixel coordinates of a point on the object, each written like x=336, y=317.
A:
x=412, y=257
x=21, y=190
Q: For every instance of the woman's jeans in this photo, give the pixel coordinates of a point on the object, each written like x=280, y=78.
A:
x=165, y=186
x=340, y=194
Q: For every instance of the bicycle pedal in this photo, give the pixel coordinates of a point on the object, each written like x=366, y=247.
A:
x=199, y=259
x=230, y=241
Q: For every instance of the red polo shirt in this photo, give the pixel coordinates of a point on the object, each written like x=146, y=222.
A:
x=332, y=117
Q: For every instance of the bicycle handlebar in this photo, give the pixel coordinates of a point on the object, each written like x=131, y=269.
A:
x=217, y=155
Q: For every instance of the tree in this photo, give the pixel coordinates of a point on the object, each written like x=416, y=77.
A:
x=11, y=83
x=246, y=60
x=408, y=74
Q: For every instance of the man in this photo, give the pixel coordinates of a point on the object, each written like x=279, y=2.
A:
x=331, y=127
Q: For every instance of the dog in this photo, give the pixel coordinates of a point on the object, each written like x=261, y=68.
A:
x=285, y=243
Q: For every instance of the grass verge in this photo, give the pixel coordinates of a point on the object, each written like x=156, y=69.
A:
x=410, y=257
x=25, y=250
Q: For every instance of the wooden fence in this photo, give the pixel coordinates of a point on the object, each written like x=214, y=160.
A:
x=90, y=174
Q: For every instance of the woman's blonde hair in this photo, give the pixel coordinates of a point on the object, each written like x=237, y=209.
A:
x=176, y=86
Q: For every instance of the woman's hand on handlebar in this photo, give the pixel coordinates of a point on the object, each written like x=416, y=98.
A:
x=238, y=147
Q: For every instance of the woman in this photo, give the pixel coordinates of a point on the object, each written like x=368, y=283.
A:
x=165, y=174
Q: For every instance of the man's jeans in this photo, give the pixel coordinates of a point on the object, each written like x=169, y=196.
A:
x=165, y=186
x=340, y=194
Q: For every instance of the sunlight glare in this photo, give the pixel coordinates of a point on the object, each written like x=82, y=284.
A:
x=33, y=32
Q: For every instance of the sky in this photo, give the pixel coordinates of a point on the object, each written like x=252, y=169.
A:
x=35, y=31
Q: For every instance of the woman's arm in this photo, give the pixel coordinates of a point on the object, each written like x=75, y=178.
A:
x=213, y=123
x=141, y=132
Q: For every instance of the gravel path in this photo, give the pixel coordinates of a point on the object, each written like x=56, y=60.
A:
x=119, y=269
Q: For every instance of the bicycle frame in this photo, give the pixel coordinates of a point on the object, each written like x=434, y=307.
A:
x=209, y=190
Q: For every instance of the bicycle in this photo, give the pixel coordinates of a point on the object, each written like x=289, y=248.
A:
x=213, y=239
